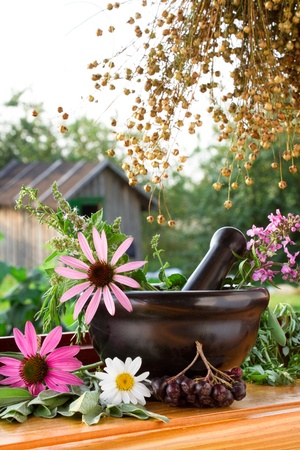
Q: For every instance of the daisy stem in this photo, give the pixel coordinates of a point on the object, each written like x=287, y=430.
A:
x=91, y=366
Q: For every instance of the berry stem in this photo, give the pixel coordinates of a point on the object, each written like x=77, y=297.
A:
x=211, y=376
x=212, y=372
x=184, y=370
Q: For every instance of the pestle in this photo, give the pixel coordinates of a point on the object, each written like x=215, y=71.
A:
x=212, y=270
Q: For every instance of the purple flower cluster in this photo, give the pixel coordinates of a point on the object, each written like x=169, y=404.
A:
x=265, y=243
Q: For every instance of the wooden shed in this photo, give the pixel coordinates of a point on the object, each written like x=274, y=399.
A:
x=89, y=186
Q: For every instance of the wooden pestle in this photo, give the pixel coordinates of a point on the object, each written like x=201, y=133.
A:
x=216, y=264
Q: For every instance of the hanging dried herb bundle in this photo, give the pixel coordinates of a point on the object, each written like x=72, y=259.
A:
x=241, y=56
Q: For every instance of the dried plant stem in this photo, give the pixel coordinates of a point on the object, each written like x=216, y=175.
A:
x=212, y=372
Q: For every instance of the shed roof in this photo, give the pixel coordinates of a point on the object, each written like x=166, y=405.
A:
x=71, y=177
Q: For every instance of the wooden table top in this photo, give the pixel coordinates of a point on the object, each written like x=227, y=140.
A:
x=268, y=418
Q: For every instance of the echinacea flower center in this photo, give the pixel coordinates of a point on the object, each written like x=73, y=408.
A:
x=34, y=369
x=124, y=381
x=100, y=273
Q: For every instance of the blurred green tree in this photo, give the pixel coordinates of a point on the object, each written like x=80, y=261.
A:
x=27, y=139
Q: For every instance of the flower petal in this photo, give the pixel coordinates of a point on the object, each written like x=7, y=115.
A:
x=126, y=397
x=56, y=387
x=104, y=245
x=66, y=364
x=117, y=366
x=11, y=371
x=133, y=366
x=127, y=363
x=27, y=343
x=13, y=382
x=114, y=398
x=35, y=389
x=108, y=300
x=93, y=306
x=31, y=338
x=121, y=250
x=114, y=366
x=51, y=341
x=82, y=301
x=67, y=351
x=127, y=281
x=10, y=361
x=100, y=243
x=142, y=377
x=86, y=248
x=129, y=266
x=140, y=391
x=70, y=273
x=121, y=296
x=74, y=262
x=74, y=291
x=60, y=377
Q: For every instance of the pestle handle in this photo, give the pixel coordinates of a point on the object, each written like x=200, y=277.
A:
x=214, y=267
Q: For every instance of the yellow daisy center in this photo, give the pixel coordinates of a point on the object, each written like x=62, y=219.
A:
x=124, y=381
x=100, y=274
x=34, y=369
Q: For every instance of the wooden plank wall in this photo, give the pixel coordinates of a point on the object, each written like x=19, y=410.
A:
x=24, y=238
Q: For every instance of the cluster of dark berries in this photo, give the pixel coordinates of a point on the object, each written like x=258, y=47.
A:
x=211, y=391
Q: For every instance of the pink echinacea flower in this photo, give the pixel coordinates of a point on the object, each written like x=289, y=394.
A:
x=42, y=367
x=101, y=276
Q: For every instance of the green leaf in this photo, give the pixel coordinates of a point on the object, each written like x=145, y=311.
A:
x=51, y=398
x=52, y=256
x=4, y=270
x=176, y=281
x=11, y=396
x=94, y=415
x=64, y=410
x=14, y=415
x=19, y=273
x=44, y=411
x=86, y=402
x=97, y=218
x=114, y=411
x=276, y=330
x=140, y=412
x=137, y=411
x=285, y=351
x=18, y=411
x=15, y=355
x=79, y=390
x=162, y=273
x=257, y=369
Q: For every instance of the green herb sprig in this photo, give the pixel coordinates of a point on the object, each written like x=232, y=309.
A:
x=269, y=362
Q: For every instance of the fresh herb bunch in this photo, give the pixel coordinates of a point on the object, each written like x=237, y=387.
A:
x=69, y=225
x=270, y=362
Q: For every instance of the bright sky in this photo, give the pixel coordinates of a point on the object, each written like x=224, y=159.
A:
x=46, y=46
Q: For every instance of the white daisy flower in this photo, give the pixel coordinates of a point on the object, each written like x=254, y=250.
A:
x=120, y=385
